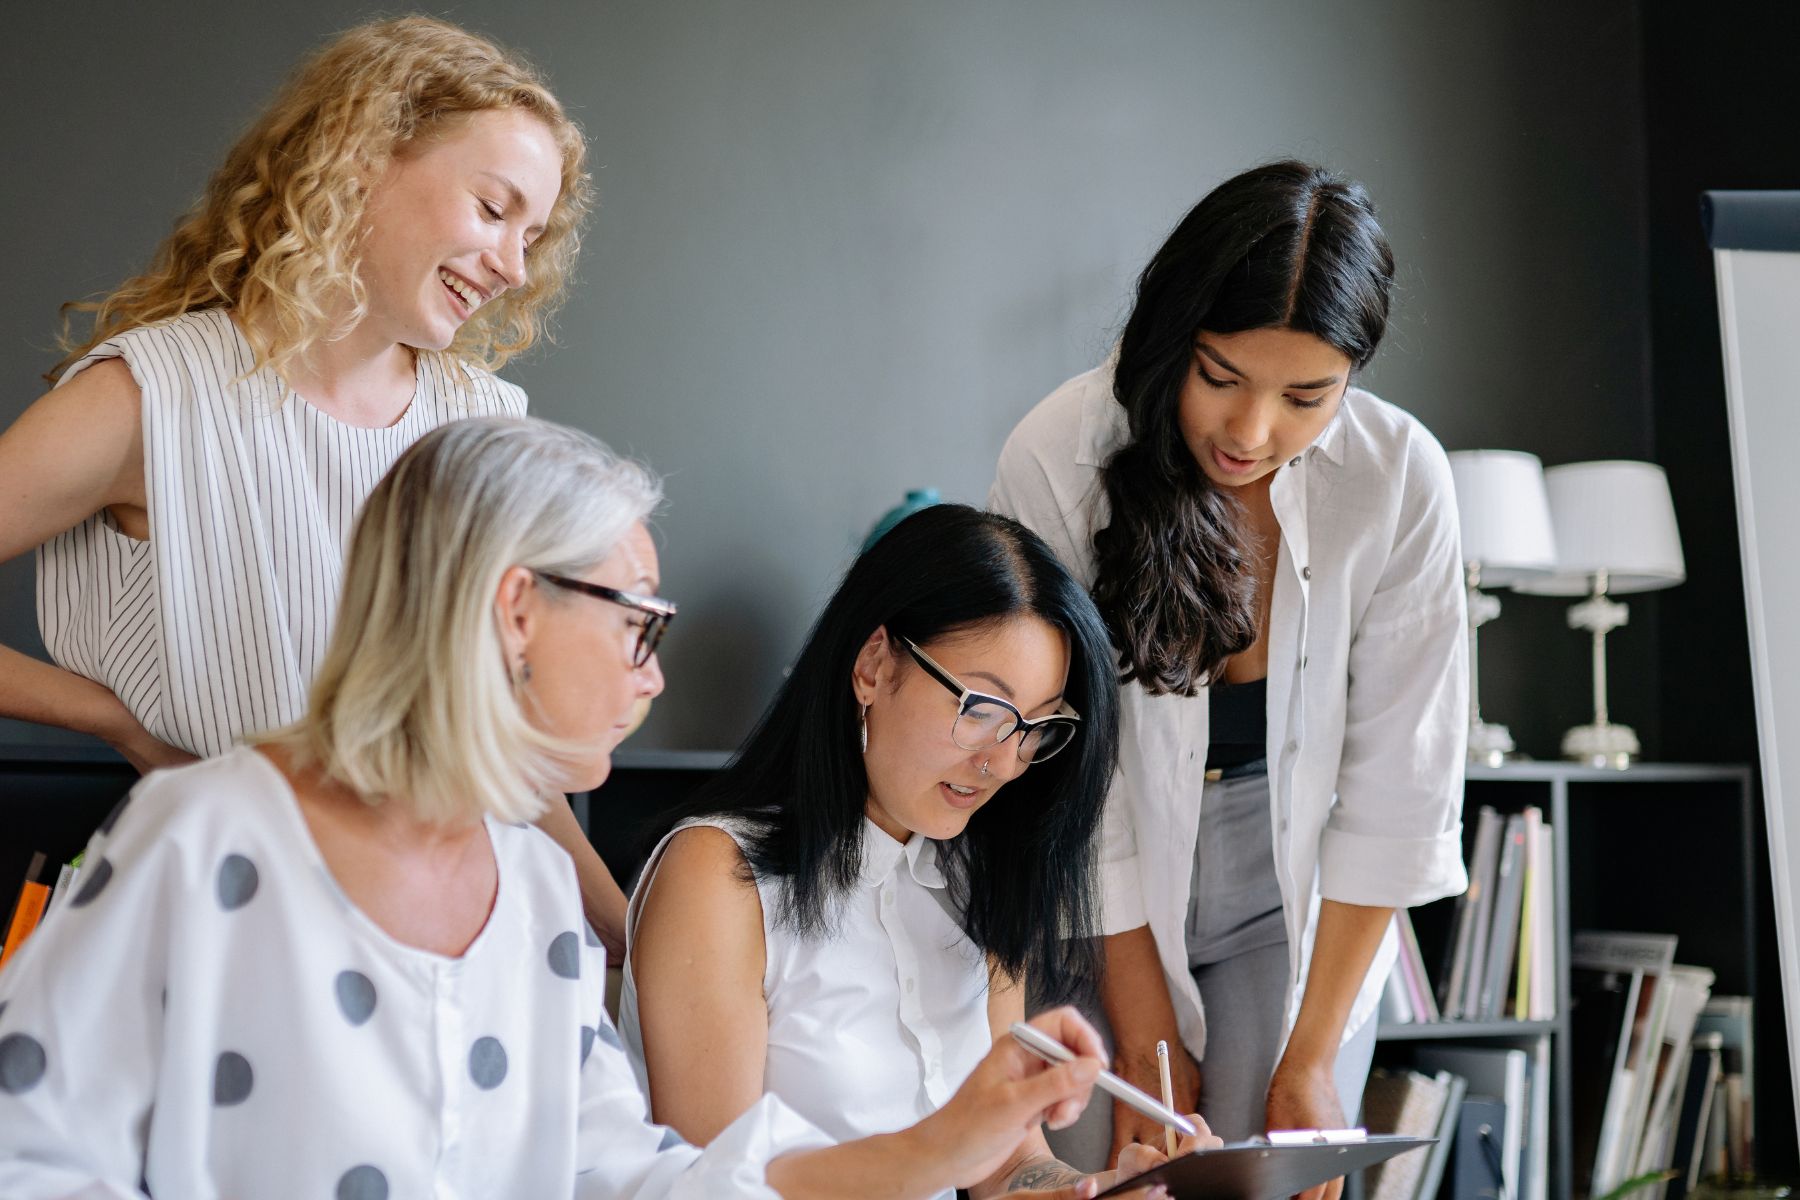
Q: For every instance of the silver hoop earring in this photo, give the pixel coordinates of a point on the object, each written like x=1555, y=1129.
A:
x=862, y=721
x=984, y=770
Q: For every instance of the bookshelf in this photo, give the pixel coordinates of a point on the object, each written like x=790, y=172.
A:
x=1657, y=848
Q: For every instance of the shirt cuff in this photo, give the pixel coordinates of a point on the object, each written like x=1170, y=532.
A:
x=1121, y=896
x=736, y=1162
x=1390, y=872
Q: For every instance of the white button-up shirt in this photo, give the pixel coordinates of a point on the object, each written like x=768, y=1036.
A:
x=875, y=1025
x=1367, y=689
x=211, y=1014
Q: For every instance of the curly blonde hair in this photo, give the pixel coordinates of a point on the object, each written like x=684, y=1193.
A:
x=277, y=235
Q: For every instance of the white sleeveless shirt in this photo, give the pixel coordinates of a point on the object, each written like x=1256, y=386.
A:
x=875, y=1026
x=214, y=627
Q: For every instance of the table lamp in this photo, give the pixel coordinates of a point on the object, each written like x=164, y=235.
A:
x=1615, y=533
x=1506, y=537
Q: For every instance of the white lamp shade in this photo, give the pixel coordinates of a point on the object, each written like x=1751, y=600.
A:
x=1615, y=517
x=1505, y=514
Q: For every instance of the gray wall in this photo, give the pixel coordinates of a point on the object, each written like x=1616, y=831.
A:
x=842, y=247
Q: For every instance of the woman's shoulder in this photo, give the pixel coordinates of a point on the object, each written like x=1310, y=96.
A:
x=1077, y=425
x=480, y=389
x=201, y=341
x=716, y=847
x=1382, y=440
x=195, y=810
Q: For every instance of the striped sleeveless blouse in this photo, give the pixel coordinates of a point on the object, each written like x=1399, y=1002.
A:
x=213, y=628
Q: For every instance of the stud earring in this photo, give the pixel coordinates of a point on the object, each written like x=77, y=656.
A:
x=862, y=721
x=984, y=770
x=522, y=676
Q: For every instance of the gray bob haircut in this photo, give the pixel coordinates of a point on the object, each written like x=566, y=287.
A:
x=414, y=702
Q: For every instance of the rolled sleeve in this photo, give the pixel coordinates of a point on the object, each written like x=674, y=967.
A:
x=1394, y=837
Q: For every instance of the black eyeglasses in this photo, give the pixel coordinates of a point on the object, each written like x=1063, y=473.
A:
x=984, y=721
x=657, y=611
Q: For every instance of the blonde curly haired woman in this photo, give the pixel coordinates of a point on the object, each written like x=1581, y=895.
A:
x=398, y=223
x=395, y=225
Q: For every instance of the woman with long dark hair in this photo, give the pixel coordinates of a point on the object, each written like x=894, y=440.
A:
x=845, y=918
x=1275, y=554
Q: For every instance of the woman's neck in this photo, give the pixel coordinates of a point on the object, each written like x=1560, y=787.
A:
x=361, y=379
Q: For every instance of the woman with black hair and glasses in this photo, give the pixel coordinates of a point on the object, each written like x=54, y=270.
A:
x=845, y=918
x=1275, y=553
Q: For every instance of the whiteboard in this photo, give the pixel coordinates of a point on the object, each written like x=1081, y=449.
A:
x=1756, y=250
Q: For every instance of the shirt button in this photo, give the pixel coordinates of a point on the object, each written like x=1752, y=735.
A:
x=909, y=987
x=1290, y=747
x=1284, y=824
x=1306, y=572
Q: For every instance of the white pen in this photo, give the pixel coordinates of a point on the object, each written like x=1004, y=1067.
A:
x=1051, y=1050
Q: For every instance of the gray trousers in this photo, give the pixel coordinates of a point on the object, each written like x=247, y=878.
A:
x=1243, y=1020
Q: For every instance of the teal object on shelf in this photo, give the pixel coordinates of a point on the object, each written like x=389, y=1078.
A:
x=916, y=499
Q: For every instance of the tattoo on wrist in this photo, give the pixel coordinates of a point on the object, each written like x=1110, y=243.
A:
x=1044, y=1173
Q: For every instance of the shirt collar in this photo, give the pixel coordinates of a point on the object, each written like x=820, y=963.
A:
x=881, y=855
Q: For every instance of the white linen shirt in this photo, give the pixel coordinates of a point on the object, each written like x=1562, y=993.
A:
x=210, y=1016
x=874, y=1026
x=1367, y=686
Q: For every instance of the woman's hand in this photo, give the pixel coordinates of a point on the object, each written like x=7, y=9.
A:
x=1139, y=1068
x=1010, y=1092
x=143, y=751
x=1303, y=1095
x=1133, y=1161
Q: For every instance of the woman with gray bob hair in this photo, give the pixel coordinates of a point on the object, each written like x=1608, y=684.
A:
x=336, y=962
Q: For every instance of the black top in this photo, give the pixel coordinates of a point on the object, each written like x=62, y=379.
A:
x=1751, y=220
x=1238, y=722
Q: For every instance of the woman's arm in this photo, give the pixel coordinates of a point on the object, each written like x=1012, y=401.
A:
x=1033, y=1168
x=602, y=903
x=697, y=959
x=1303, y=1093
x=75, y=451
x=1008, y=1096
x=1136, y=998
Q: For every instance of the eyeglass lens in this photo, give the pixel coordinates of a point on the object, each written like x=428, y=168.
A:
x=980, y=726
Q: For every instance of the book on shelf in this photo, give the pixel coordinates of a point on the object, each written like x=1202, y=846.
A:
x=1408, y=1102
x=1478, y=1172
x=28, y=908
x=1468, y=945
x=1688, y=990
x=1506, y=1075
x=1534, y=989
x=1503, y=937
x=1733, y=1018
x=1537, y=1125
x=1408, y=998
x=1620, y=991
x=1698, y=1092
x=1501, y=954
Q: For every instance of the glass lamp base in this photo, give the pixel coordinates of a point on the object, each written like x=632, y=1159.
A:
x=1601, y=745
x=1489, y=744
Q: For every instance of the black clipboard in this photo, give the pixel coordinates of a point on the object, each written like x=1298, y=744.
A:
x=1259, y=1171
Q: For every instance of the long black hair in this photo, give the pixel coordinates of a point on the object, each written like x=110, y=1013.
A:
x=1023, y=871
x=1287, y=245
